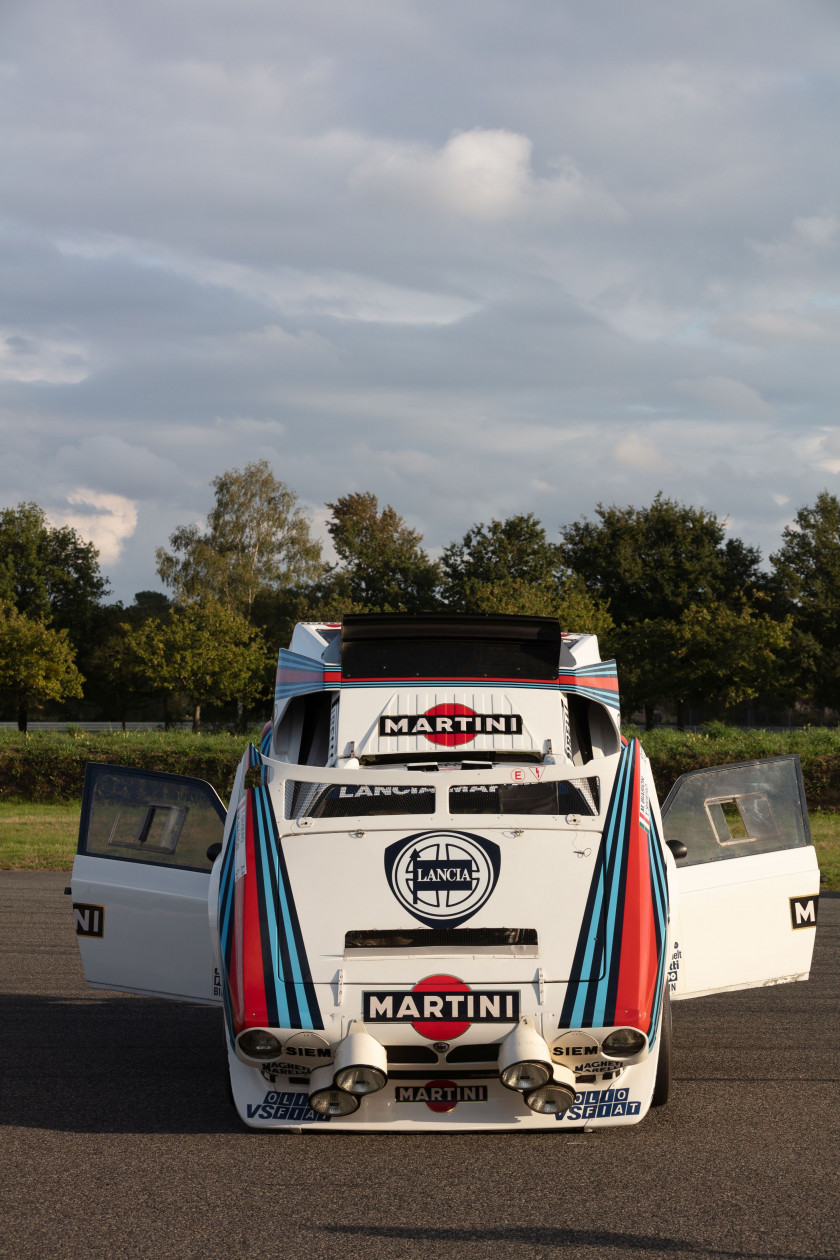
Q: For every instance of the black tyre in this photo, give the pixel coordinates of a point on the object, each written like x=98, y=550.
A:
x=662, y=1085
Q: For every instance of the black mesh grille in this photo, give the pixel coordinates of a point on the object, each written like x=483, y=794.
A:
x=561, y=796
x=445, y=938
x=474, y=1054
x=410, y=1054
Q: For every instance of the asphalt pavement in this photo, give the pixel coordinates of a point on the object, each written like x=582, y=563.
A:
x=117, y=1139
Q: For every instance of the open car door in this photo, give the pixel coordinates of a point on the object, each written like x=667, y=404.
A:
x=141, y=879
x=748, y=885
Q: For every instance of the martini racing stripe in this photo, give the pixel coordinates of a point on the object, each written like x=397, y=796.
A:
x=294, y=992
x=297, y=675
x=267, y=977
x=594, y=682
x=628, y=896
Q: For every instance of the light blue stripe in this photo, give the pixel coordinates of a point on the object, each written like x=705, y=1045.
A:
x=279, y=989
x=586, y=968
x=620, y=835
x=593, y=693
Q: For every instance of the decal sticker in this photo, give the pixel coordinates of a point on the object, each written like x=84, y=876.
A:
x=527, y=774
x=674, y=967
x=440, y=1007
x=582, y=1053
x=89, y=920
x=296, y=1073
x=284, y=1105
x=803, y=911
x=307, y=1045
x=449, y=725
x=240, y=864
x=217, y=982
x=350, y=791
x=440, y=1095
x=601, y=1104
x=442, y=876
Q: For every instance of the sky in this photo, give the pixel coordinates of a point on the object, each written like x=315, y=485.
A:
x=480, y=258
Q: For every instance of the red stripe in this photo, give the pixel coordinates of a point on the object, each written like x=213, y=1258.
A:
x=255, y=1011
x=599, y=682
x=638, y=965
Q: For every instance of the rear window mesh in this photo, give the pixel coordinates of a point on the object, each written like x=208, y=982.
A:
x=357, y=800
x=566, y=796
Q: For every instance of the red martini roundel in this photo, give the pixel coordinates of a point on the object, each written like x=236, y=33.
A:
x=435, y=1030
x=450, y=739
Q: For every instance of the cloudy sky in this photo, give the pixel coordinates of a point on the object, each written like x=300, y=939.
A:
x=479, y=257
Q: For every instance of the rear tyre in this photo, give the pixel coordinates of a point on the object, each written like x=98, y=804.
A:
x=662, y=1084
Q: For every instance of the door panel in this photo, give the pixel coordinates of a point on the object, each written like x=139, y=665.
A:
x=749, y=863
x=140, y=883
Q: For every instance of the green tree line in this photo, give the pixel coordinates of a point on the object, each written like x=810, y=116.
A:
x=690, y=614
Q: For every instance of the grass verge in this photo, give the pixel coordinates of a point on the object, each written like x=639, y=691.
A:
x=36, y=837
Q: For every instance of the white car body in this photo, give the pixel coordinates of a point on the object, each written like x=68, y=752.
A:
x=381, y=905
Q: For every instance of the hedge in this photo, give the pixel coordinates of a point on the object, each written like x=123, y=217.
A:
x=50, y=766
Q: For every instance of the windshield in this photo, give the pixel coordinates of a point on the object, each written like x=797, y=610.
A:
x=363, y=800
x=566, y=796
x=357, y=800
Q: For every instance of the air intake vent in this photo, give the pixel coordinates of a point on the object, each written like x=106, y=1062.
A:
x=480, y=1053
x=411, y=1054
x=513, y=940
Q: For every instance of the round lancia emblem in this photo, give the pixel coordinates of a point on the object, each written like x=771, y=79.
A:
x=442, y=877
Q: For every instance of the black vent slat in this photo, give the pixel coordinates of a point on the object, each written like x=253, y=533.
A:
x=436, y=938
x=410, y=1054
x=481, y=1053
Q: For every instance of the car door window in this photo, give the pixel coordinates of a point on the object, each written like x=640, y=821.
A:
x=737, y=810
x=149, y=816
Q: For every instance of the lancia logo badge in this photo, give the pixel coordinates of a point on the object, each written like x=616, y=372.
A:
x=442, y=877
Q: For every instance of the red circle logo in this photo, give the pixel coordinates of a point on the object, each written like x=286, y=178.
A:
x=450, y=738
x=437, y=1100
x=441, y=1030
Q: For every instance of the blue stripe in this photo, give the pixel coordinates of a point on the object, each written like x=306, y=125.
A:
x=268, y=892
x=592, y=693
x=618, y=827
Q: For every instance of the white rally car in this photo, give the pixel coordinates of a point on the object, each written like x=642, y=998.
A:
x=449, y=899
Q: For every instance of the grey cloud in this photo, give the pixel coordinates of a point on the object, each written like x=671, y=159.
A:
x=479, y=258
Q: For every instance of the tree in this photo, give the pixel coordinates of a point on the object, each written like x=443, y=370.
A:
x=36, y=662
x=256, y=541
x=48, y=573
x=514, y=550
x=117, y=678
x=385, y=569
x=210, y=652
x=655, y=561
x=807, y=580
x=653, y=565
x=712, y=654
